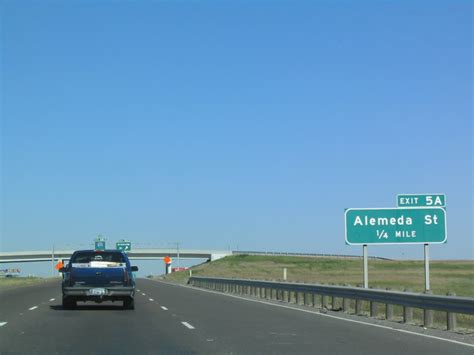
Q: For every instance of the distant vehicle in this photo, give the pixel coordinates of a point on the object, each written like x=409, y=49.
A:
x=98, y=275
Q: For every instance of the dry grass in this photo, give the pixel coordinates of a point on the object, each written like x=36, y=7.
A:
x=13, y=282
x=446, y=276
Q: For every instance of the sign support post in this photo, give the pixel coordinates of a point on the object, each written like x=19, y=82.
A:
x=366, y=268
x=427, y=267
x=52, y=262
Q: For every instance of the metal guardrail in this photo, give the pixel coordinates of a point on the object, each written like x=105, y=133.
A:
x=277, y=253
x=307, y=294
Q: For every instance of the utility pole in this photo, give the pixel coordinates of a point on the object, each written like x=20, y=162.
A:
x=177, y=252
x=52, y=262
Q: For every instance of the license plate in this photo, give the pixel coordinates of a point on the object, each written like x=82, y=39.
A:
x=97, y=291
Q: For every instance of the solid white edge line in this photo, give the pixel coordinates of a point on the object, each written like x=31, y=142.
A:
x=164, y=308
x=32, y=308
x=324, y=315
x=187, y=325
x=2, y=324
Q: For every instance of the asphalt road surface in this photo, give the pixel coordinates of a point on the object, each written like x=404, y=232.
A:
x=171, y=319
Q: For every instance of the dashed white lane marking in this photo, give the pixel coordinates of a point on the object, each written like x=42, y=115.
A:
x=2, y=324
x=164, y=308
x=143, y=294
x=138, y=290
x=187, y=325
x=32, y=308
x=151, y=299
x=51, y=300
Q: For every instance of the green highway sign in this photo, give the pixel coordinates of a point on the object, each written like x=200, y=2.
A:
x=124, y=246
x=421, y=200
x=99, y=245
x=415, y=225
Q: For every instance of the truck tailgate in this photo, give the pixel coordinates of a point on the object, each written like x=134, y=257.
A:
x=91, y=276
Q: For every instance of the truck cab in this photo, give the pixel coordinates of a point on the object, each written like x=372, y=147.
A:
x=98, y=276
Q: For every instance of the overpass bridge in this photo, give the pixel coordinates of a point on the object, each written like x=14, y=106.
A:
x=136, y=254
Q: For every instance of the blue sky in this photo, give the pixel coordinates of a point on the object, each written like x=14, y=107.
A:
x=247, y=125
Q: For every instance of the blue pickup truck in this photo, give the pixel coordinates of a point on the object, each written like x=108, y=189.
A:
x=98, y=275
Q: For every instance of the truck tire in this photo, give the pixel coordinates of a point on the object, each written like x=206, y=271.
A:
x=129, y=303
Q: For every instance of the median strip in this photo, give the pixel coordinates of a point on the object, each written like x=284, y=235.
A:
x=187, y=325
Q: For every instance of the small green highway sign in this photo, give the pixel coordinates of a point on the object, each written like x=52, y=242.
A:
x=99, y=245
x=123, y=245
x=421, y=200
x=413, y=225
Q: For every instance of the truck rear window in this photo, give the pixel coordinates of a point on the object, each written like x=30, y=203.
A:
x=98, y=259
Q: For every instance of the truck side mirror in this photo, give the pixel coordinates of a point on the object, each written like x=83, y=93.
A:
x=134, y=268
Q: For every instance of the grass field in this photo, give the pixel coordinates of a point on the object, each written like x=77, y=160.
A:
x=446, y=275
x=455, y=276
x=12, y=282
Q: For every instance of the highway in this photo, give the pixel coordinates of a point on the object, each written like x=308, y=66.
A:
x=171, y=319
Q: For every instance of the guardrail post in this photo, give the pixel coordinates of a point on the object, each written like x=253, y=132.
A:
x=451, y=317
x=298, y=297
x=388, y=309
x=346, y=303
x=428, y=315
x=324, y=302
x=315, y=299
x=358, y=307
x=407, y=312
x=374, y=306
